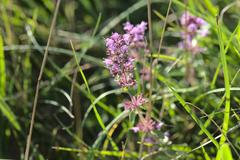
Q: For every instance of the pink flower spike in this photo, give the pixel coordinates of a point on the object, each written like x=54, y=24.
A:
x=119, y=62
x=134, y=35
x=194, y=28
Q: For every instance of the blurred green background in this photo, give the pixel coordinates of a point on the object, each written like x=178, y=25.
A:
x=24, y=29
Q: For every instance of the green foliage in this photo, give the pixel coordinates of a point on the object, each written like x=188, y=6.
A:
x=80, y=112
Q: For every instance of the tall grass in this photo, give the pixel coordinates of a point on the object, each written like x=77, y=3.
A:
x=75, y=108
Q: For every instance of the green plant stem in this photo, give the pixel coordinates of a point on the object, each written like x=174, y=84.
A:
x=2, y=69
x=227, y=86
x=141, y=146
x=164, y=27
x=149, y=108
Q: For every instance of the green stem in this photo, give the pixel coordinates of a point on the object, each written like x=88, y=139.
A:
x=227, y=86
x=149, y=108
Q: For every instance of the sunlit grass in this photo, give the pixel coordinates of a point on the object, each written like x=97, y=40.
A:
x=80, y=113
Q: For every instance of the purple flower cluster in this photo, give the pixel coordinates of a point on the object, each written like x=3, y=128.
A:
x=136, y=101
x=121, y=51
x=119, y=61
x=134, y=35
x=193, y=28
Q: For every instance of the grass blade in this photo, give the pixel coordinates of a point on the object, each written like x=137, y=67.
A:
x=194, y=117
x=188, y=109
x=115, y=91
x=99, y=119
x=2, y=69
x=88, y=89
x=5, y=109
x=125, y=14
x=118, y=119
x=224, y=153
x=227, y=85
x=206, y=156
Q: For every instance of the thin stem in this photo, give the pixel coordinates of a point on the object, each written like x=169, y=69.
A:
x=75, y=72
x=29, y=138
x=143, y=136
x=140, y=115
x=141, y=145
x=160, y=46
x=164, y=26
x=149, y=109
x=189, y=70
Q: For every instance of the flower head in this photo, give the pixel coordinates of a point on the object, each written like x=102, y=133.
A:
x=134, y=35
x=127, y=26
x=192, y=24
x=120, y=64
x=145, y=125
x=116, y=45
x=193, y=28
x=136, y=101
x=119, y=61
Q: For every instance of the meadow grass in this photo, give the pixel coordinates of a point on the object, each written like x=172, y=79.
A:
x=59, y=99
